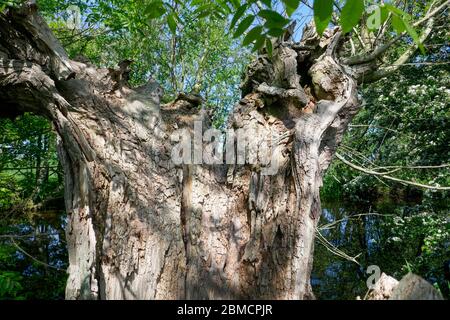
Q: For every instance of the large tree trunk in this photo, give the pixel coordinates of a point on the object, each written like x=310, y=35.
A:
x=142, y=227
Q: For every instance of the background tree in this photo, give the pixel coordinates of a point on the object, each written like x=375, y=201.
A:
x=402, y=128
x=32, y=246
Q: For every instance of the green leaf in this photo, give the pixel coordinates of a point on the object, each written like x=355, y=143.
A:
x=204, y=14
x=398, y=24
x=413, y=34
x=259, y=43
x=274, y=25
x=235, y=3
x=155, y=10
x=196, y=2
x=395, y=10
x=351, y=13
x=293, y=4
x=252, y=35
x=323, y=10
x=275, y=32
x=204, y=10
x=290, y=11
x=269, y=47
x=172, y=23
x=239, y=13
x=268, y=3
x=224, y=6
x=384, y=14
x=273, y=17
x=243, y=26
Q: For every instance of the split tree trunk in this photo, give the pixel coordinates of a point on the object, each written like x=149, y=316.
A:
x=140, y=227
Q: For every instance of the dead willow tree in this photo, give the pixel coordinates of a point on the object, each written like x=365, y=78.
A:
x=141, y=227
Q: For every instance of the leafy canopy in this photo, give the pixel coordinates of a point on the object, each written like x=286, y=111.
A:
x=264, y=19
x=259, y=19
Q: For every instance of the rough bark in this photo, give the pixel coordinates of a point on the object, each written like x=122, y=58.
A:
x=383, y=288
x=410, y=287
x=141, y=227
x=413, y=287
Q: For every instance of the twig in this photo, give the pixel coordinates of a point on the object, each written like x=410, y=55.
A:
x=332, y=224
x=33, y=258
x=333, y=249
x=368, y=171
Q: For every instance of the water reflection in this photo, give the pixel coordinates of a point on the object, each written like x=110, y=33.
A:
x=396, y=237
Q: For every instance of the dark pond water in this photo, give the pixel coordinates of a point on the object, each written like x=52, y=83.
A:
x=396, y=237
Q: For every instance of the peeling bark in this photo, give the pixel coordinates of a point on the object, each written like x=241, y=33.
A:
x=141, y=227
